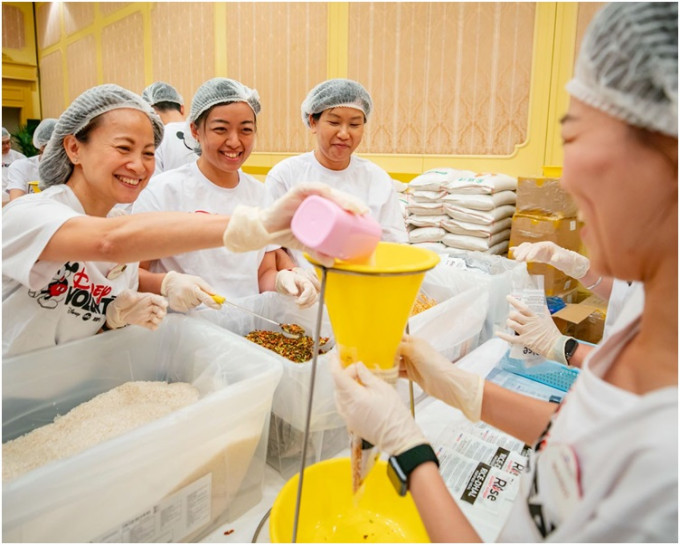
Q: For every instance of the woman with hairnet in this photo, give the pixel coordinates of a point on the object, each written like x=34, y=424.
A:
x=70, y=268
x=223, y=121
x=605, y=465
x=177, y=147
x=26, y=170
x=336, y=111
x=8, y=157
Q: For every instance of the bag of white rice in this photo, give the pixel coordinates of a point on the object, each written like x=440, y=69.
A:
x=426, y=234
x=481, y=202
x=426, y=208
x=465, y=242
x=458, y=227
x=479, y=216
x=436, y=178
x=482, y=184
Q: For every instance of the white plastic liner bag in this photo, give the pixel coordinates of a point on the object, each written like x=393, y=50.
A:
x=88, y=496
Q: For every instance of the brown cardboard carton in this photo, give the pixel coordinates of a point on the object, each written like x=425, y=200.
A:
x=584, y=320
x=544, y=196
x=562, y=231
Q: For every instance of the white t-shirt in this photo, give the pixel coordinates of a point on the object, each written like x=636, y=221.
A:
x=45, y=303
x=173, y=151
x=186, y=189
x=621, y=293
x=606, y=469
x=362, y=178
x=23, y=171
x=7, y=159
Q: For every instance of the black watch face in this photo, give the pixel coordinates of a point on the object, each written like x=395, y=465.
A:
x=570, y=347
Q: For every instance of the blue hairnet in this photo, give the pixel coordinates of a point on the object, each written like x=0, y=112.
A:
x=160, y=91
x=55, y=166
x=334, y=93
x=43, y=132
x=220, y=91
x=628, y=65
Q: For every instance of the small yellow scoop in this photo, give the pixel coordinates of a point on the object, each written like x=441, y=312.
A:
x=285, y=328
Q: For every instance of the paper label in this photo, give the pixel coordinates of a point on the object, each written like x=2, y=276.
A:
x=170, y=520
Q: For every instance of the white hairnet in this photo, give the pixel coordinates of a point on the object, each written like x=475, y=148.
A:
x=222, y=91
x=160, y=91
x=628, y=65
x=5, y=133
x=335, y=93
x=55, y=166
x=43, y=132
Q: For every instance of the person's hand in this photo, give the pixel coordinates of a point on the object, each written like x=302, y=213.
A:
x=185, y=291
x=440, y=378
x=299, y=283
x=133, y=307
x=373, y=410
x=570, y=263
x=253, y=228
x=535, y=331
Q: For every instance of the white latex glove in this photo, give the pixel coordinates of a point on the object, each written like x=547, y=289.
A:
x=253, y=228
x=299, y=283
x=137, y=308
x=185, y=291
x=534, y=331
x=440, y=378
x=570, y=263
x=373, y=410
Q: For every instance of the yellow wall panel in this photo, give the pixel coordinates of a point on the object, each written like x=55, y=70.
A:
x=48, y=23
x=77, y=15
x=52, y=84
x=13, y=35
x=280, y=50
x=81, y=62
x=122, y=58
x=182, y=38
x=446, y=78
x=108, y=8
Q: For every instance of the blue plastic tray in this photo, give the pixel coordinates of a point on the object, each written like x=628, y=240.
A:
x=549, y=372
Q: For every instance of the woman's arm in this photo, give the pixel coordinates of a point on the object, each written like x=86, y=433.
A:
x=137, y=237
x=266, y=274
x=514, y=413
x=443, y=519
x=149, y=281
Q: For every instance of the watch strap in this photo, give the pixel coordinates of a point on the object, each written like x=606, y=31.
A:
x=401, y=466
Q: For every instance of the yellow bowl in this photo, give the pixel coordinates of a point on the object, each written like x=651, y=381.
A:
x=330, y=513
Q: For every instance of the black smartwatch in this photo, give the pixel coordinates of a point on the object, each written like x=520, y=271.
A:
x=399, y=468
x=569, y=348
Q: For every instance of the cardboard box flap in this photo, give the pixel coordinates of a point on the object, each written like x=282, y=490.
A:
x=575, y=313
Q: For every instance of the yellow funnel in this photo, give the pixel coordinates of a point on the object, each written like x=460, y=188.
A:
x=369, y=303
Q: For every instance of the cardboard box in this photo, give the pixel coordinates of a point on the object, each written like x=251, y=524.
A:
x=584, y=320
x=544, y=196
x=562, y=231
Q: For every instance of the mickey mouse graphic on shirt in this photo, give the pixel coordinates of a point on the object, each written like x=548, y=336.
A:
x=72, y=286
x=52, y=294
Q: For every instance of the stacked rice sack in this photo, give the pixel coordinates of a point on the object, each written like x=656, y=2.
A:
x=460, y=209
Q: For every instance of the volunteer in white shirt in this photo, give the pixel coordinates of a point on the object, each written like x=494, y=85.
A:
x=336, y=112
x=539, y=332
x=605, y=461
x=8, y=157
x=26, y=170
x=223, y=120
x=69, y=270
x=177, y=147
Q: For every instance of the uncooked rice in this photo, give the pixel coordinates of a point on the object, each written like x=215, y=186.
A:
x=104, y=417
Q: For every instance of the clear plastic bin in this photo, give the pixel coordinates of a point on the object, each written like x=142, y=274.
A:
x=174, y=479
x=328, y=434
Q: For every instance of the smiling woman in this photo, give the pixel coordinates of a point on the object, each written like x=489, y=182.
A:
x=223, y=121
x=69, y=259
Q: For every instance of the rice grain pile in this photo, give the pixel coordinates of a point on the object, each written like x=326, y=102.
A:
x=104, y=417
